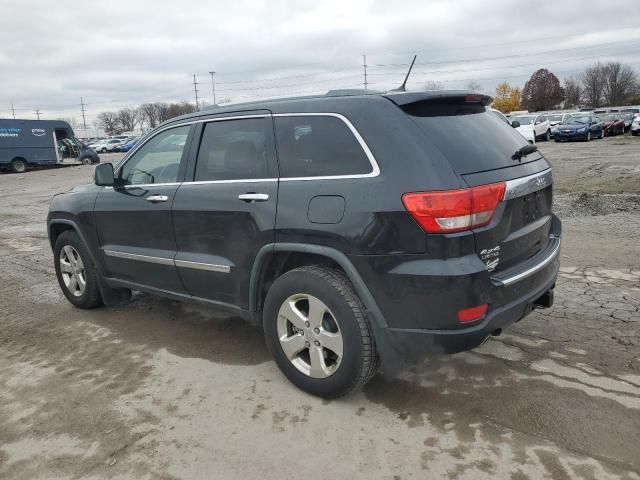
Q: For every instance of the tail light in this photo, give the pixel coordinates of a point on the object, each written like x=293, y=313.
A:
x=454, y=210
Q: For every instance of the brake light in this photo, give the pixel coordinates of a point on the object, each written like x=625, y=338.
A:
x=454, y=210
x=472, y=314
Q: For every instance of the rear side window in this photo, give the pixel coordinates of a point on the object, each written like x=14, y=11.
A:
x=471, y=138
x=235, y=150
x=318, y=146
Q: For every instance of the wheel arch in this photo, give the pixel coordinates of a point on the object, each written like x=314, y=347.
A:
x=56, y=226
x=274, y=259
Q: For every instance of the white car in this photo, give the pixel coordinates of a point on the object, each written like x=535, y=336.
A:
x=107, y=145
x=635, y=125
x=533, y=127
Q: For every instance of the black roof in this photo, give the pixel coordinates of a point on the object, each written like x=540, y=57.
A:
x=301, y=104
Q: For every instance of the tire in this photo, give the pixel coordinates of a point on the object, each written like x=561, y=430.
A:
x=19, y=165
x=86, y=160
x=602, y=134
x=103, y=150
x=587, y=137
x=343, y=324
x=67, y=248
x=547, y=136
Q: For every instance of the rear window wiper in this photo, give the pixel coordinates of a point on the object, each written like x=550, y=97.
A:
x=523, y=152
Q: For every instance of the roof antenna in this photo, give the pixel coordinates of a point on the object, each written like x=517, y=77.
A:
x=403, y=87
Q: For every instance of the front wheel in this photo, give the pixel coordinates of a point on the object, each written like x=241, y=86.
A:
x=103, y=150
x=75, y=271
x=318, y=333
x=601, y=134
x=587, y=138
x=547, y=136
x=86, y=161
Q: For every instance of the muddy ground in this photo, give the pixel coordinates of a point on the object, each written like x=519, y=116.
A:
x=158, y=389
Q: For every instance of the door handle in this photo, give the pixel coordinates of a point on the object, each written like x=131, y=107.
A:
x=157, y=198
x=253, y=197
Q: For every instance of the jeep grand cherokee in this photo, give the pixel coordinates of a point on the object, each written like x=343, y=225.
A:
x=358, y=230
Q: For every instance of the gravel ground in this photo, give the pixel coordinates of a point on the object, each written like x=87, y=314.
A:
x=159, y=389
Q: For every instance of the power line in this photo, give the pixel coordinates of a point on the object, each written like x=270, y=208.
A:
x=37, y=112
x=13, y=111
x=213, y=86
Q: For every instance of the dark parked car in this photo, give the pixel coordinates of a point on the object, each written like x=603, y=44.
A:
x=613, y=124
x=128, y=145
x=355, y=229
x=579, y=126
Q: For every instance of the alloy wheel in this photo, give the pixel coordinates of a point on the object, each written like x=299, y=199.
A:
x=72, y=270
x=310, y=336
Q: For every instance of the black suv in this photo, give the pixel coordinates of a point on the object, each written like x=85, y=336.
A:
x=357, y=229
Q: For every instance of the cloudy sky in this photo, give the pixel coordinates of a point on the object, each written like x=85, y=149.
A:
x=118, y=53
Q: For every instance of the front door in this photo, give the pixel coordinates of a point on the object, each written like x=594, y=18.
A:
x=134, y=218
x=227, y=212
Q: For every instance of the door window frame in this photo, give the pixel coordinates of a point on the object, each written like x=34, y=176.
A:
x=181, y=165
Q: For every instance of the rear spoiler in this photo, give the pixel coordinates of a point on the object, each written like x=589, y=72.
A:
x=463, y=96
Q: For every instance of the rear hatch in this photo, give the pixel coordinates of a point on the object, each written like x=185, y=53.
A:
x=482, y=150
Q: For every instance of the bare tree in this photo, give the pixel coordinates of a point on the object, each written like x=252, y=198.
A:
x=619, y=82
x=149, y=113
x=593, y=82
x=108, y=122
x=163, y=112
x=433, y=85
x=572, y=92
x=127, y=119
x=474, y=86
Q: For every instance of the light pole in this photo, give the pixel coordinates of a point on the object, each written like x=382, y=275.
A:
x=213, y=87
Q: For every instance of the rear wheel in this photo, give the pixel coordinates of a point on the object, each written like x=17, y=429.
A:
x=19, y=165
x=86, y=161
x=548, y=136
x=75, y=271
x=318, y=333
x=103, y=150
x=601, y=134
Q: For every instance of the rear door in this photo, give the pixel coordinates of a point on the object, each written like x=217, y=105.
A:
x=225, y=213
x=134, y=220
x=481, y=149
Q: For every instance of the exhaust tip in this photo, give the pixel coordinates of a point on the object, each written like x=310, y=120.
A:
x=496, y=332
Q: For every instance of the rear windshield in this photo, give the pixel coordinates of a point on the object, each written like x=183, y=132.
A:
x=471, y=138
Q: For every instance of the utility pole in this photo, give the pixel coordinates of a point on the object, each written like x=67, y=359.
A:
x=364, y=65
x=213, y=86
x=195, y=89
x=84, y=120
x=13, y=111
x=37, y=112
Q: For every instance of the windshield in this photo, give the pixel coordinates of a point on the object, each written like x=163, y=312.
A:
x=555, y=118
x=584, y=119
x=608, y=117
x=525, y=120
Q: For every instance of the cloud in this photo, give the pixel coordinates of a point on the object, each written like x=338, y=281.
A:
x=125, y=53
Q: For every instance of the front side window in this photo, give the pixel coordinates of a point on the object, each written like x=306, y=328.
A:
x=236, y=150
x=314, y=146
x=158, y=160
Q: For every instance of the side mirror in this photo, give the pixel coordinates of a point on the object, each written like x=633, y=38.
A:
x=515, y=124
x=103, y=175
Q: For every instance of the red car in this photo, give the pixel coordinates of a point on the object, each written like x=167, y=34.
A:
x=613, y=124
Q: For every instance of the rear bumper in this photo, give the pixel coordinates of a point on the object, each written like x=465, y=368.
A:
x=419, y=299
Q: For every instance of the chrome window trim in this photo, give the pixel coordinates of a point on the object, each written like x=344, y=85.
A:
x=203, y=266
x=530, y=271
x=168, y=261
x=375, y=168
x=529, y=184
x=140, y=258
